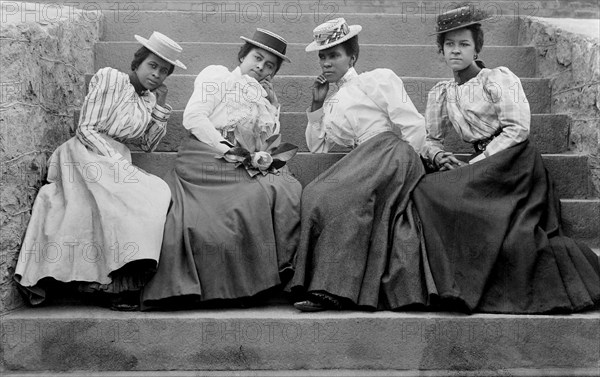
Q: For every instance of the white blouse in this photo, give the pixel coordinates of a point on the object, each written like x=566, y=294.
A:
x=363, y=106
x=491, y=101
x=226, y=101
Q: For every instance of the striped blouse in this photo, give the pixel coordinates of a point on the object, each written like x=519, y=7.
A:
x=113, y=108
x=477, y=109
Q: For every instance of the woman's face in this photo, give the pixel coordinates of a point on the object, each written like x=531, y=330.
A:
x=152, y=71
x=259, y=64
x=335, y=63
x=459, y=49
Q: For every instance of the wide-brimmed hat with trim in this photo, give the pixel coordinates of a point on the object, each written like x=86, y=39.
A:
x=332, y=33
x=164, y=47
x=269, y=41
x=459, y=18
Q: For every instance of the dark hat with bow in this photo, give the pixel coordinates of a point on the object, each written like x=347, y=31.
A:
x=459, y=18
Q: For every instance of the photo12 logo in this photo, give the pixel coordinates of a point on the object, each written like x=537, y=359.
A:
x=268, y=11
x=88, y=11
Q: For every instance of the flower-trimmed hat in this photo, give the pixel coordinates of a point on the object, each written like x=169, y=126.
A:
x=459, y=18
x=269, y=41
x=332, y=33
x=164, y=47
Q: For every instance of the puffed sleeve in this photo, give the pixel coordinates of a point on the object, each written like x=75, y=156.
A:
x=504, y=90
x=387, y=90
x=436, y=119
x=208, y=88
x=157, y=128
x=104, y=94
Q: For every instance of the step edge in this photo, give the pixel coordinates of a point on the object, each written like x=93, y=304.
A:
x=523, y=79
x=537, y=115
x=339, y=14
x=237, y=44
x=279, y=312
x=307, y=153
x=513, y=372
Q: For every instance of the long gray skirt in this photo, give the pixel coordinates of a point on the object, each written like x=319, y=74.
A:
x=226, y=235
x=360, y=238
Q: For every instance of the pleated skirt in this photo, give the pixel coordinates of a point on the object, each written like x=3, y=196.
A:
x=360, y=238
x=227, y=235
x=494, y=242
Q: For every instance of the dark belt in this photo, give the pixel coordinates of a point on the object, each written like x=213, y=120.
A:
x=480, y=145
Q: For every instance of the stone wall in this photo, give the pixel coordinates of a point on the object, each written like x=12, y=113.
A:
x=44, y=57
x=569, y=54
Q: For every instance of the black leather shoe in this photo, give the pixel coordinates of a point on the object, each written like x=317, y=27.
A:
x=309, y=306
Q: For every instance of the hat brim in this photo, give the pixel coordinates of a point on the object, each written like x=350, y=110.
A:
x=267, y=48
x=145, y=43
x=460, y=26
x=354, y=30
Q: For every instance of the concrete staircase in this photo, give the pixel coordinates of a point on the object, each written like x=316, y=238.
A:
x=277, y=340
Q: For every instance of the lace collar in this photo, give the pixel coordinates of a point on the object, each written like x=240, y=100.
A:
x=349, y=75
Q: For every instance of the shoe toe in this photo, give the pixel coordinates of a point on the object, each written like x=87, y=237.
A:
x=309, y=306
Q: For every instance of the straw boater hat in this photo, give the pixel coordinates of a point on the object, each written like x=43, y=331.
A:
x=269, y=41
x=164, y=47
x=332, y=33
x=459, y=18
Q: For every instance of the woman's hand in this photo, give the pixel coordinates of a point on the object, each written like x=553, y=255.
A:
x=447, y=161
x=268, y=87
x=161, y=94
x=319, y=92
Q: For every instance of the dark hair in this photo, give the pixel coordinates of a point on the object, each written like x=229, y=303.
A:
x=247, y=47
x=141, y=55
x=351, y=47
x=476, y=32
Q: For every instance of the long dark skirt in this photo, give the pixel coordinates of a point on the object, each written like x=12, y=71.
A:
x=359, y=238
x=494, y=241
x=226, y=235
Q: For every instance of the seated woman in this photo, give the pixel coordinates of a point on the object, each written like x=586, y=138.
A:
x=229, y=234
x=491, y=226
x=98, y=223
x=359, y=242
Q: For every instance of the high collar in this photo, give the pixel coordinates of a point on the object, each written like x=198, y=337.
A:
x=248, y=81
x=139, y=88
x=467, y=74
x=237, y=72
x=349, y=75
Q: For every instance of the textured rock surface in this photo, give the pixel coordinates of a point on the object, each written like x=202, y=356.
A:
x=44, y=57
x=571, y=60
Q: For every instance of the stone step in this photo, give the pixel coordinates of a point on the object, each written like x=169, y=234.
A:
x=253, y=10
x=512, y=372
x=581, y=219
x=412, y=61
x=271, y=338
x=294, y=26
x=570, y=171
x=295, y=92
x=549, y=132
